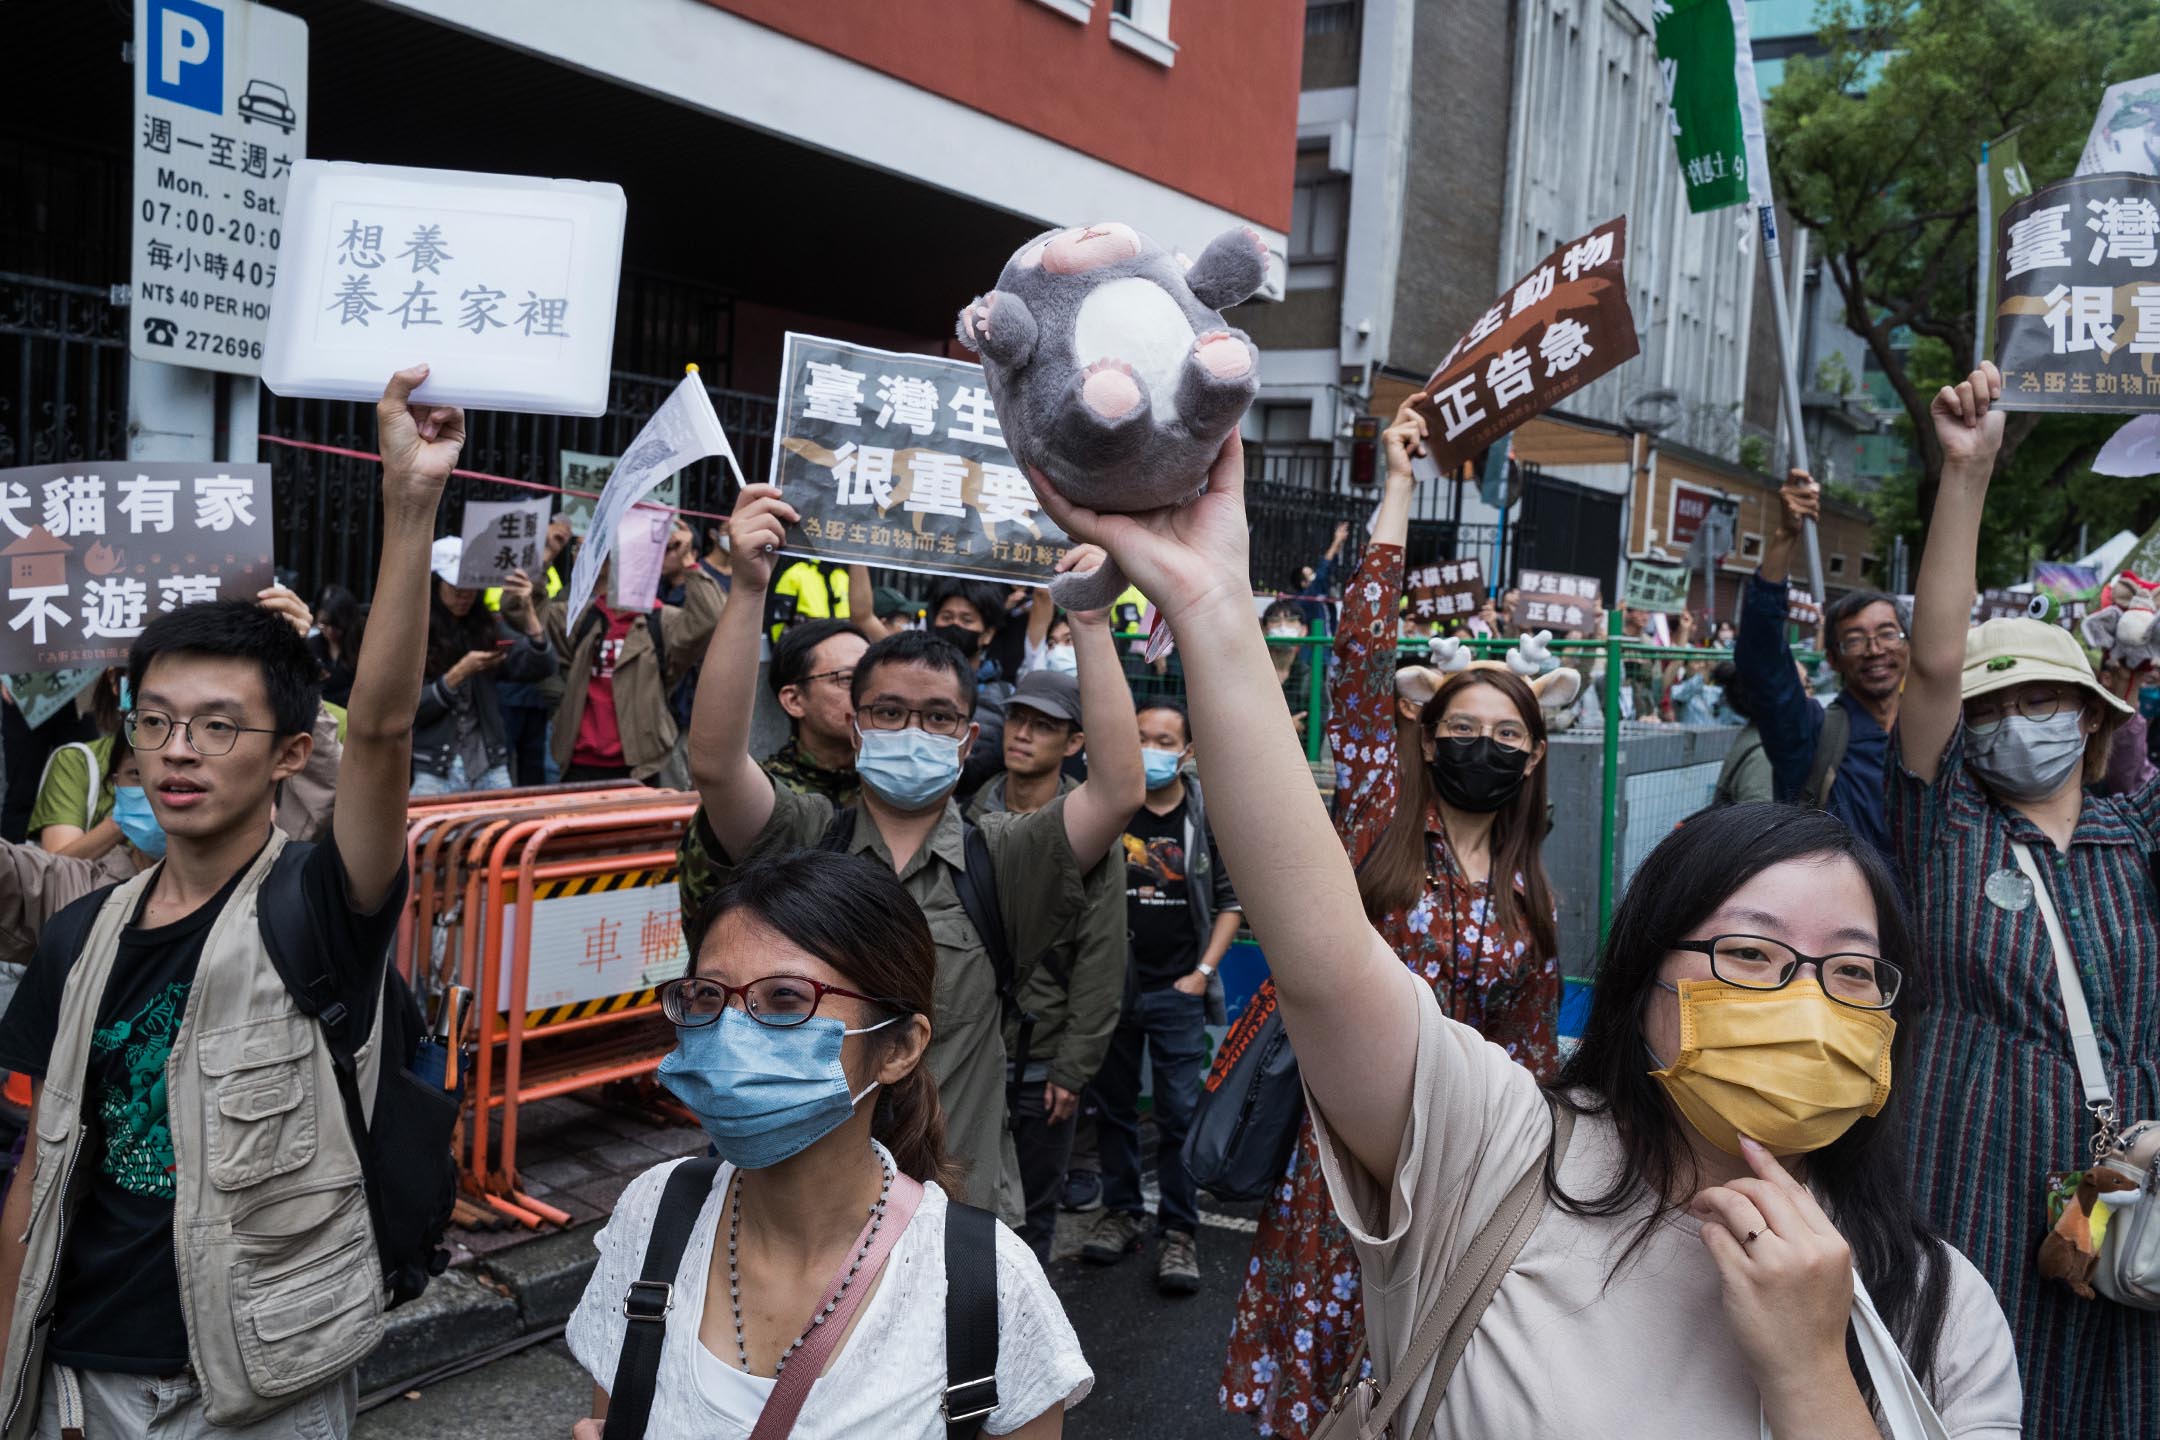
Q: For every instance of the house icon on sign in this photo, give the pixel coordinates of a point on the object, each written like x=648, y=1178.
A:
x=39, y=558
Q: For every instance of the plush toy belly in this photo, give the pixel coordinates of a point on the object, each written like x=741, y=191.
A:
x=1136, y=321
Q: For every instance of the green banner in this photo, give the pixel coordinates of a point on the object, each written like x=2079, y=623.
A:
x=2004, y=183
x=1709, y=72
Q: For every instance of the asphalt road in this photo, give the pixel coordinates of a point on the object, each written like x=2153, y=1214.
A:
x=1157, y=1361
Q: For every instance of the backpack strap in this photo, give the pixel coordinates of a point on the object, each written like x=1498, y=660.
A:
x=1829, y=754
x=652, y=1295
x=971, y=1320
x=977, y=884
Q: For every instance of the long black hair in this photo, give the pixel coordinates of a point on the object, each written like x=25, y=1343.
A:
x=451, y=636
x=1860, y=1177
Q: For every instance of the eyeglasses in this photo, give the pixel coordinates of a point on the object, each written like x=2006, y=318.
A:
x=1865, y=982
x=206, y=734
x=1511, y=734
x=1889, y=638
x=885, y=716
x=1985, y=715
x=839, y=677
x=776, y=1000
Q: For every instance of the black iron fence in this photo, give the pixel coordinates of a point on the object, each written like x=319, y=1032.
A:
x=63, y=372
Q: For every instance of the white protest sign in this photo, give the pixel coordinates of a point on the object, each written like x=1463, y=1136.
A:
x=640, y=545
x=578, y=470
x=502, y=536
x=504, y=285
x=220, y=118
x=683, y=429
x=2126, y=133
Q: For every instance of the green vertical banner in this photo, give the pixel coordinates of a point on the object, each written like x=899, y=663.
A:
x=1716, y=113
x=2003, y=182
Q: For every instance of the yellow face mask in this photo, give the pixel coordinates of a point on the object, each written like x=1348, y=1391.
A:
x=1790, y=1069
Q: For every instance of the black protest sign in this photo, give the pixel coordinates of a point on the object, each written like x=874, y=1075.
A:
x=96, y=550
x=899, y=460
x=1546, y=600
x=2078, y=313
x=1448, y=590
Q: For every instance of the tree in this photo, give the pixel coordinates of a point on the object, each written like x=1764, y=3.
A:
x=1872, y=148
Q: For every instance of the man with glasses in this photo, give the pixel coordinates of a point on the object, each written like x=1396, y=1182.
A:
x=1828, y=757
x=913, y=697
x=188, y=1108
x=812, y=675
x=1065, y=1001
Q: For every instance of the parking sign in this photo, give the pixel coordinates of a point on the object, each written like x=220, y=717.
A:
x=220, y=119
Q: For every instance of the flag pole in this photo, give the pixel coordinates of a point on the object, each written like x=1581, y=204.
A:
x=1781, y=319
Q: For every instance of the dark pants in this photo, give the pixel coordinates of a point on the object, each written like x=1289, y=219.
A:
x=525, y=727
x=1173, y=1028
x=1044, y=1149
x=578, y=774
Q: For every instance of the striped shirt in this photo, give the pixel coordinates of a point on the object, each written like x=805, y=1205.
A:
x=1995, y=1101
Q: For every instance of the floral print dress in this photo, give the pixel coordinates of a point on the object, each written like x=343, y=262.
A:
x=1299, y=1315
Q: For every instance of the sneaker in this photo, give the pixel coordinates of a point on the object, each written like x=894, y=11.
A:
x=1083, y=1191
x=1113, y=1236
x=1177, y=1268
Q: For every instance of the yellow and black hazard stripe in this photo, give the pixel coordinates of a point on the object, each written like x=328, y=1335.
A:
x=595, y=885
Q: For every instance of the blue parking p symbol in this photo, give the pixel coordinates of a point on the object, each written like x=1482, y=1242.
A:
x=185, y=62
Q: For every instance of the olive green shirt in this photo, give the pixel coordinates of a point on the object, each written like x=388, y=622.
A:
x=64, y=798
x=1040, y=891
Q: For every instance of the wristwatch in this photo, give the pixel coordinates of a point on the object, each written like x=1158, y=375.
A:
x=1205, y=969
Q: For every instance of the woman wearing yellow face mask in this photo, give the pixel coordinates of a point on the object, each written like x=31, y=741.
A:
x=1650, y=1269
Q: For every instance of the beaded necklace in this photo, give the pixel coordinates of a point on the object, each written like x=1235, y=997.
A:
x=734, y=1272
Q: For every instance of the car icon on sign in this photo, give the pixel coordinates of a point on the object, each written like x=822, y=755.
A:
x=268, y=103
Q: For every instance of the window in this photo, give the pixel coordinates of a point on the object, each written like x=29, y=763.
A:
x=1837, y=565
x=1751, y=546
x=1143, y=26
x=1319, y=210
x=1330, y=17
x=1078, y=10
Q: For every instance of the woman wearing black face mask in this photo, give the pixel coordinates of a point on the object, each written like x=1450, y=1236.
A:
x=1441, y=806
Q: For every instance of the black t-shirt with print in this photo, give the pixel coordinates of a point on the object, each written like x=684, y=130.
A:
x=1165, y=946
x=118, y=1293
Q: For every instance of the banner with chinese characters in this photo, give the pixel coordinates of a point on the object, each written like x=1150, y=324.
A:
x=2078, y=315
x=1652, y=586
x=578, y=470
x=1708, y=66
x=1561, y=326
x=42, y=694
x=1801, y=609
x=1450, y=590
x=501, y=536
x=2002, y=605
x=95, y=551
x=898, y=460
x=1545, y=600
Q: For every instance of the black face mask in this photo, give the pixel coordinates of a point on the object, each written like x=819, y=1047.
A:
x=1478, y=774
x=966, y=641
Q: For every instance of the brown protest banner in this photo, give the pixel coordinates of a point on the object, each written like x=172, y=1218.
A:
x=1557, y=329
x=96, y=550
x=1546, y=600
x=1449, y=590
x=2003, y=605
x=2078, y=318
x=899, y=460
x=1801, y=610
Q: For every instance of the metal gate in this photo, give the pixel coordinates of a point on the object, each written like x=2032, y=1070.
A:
x=63, y=372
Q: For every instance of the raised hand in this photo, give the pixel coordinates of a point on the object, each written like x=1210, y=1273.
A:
x=1082, y=560
x=758, y=529
x=1405, y=437
x=419, y=443
x=1183, y=557
x=1799, y=501
x=280, y=601
x=1967, y=426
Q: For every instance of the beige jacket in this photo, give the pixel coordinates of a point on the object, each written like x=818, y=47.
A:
x=280, y=1283
x=643, y=676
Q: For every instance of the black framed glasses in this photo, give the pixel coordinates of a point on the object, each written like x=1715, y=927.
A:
x=1756, y=962
x=1889, y=637
x=884, y=715
x=1985, y=714
x=206, y=734
x=776, y=1000
x=842, y=678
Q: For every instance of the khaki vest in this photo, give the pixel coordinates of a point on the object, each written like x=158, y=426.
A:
x=279, y=1280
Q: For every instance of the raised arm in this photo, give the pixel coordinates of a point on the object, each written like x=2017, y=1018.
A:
x=737, y=794
x=1346, y=999
x=419, y=445
x=1970, y=431
x=1097, y=812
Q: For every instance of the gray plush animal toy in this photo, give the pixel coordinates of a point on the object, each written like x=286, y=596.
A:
x=1113, y=372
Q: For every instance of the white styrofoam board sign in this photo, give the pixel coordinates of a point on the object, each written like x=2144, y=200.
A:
x=504, y=285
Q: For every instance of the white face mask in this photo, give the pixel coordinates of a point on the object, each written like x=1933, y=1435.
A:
x=1061, y=660
x=1285, y=633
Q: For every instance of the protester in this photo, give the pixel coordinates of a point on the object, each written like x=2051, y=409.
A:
x=2002, y=727
x=1745, y=773
x=1285, y=623
x=718, y=561
x=812, y=992
x=912, y=694
x=340, y=625
x=1436, y=793
x=967, y=615
x=202, y=1085
x=73, y=812
x=614, y=722
x=811, y=675
x=459, y=742
x=805, y=590
x=1678, y=1280
x=1065, y=1001
x=1317, y=580
x=1182, y=916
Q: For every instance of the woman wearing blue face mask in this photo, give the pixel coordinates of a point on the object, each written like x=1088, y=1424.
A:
x=817, y=1253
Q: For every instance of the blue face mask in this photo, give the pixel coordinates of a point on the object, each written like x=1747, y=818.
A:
x=908, y=769
x=1161, y=766
x=764, y=1093
x=132, y=813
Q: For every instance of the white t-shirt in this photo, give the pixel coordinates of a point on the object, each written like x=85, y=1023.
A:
x=1569, y=1347
x=889, y=1377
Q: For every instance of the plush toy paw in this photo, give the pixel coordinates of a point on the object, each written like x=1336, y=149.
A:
x=1450, y=656
x=1532, y=655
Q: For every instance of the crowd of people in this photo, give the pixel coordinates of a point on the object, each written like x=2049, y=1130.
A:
x=1790, y=1179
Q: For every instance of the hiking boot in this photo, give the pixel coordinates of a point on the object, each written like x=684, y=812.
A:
x=1113, y=1236
x=1083, y=1192
x=1177, y=1267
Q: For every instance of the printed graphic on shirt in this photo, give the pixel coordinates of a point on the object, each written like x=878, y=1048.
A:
x=138, y=1142
x=604, y=658
x=1152, y=867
